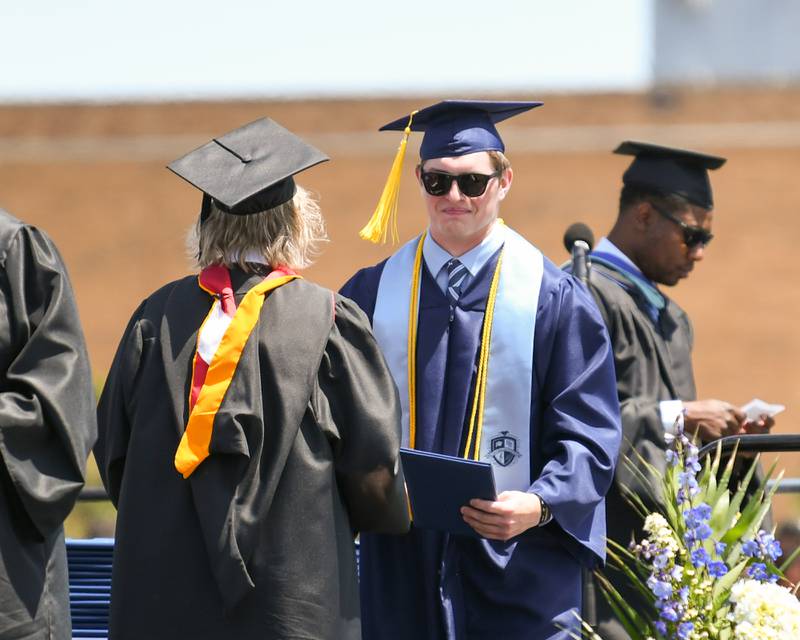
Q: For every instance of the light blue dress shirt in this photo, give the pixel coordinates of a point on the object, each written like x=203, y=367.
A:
x=436, y=257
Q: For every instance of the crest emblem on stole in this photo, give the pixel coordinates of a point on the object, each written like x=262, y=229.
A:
x=503, y=449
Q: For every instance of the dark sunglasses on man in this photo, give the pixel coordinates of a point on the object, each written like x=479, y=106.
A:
x=692, y=236
x=472, y=185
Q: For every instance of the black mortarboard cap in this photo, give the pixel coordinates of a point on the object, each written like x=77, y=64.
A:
x=249, y=169
x=458, y=127
x=671, y=171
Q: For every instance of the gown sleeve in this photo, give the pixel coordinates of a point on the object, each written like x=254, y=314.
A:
x=47, y=419
x=113, y=411
x=580, y=422
x=365, y=408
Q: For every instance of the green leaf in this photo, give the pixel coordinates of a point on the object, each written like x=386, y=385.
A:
x=638, y=628
x=719, y=513
x=722, y=587
x=753, y=512
x=789, y=560
x=635, y=580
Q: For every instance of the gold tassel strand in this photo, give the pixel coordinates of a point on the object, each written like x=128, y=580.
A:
x=386, y=212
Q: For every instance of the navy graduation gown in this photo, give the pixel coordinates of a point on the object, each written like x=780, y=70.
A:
x=429, y=585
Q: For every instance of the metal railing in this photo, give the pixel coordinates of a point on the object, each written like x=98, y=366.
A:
x=763, y=443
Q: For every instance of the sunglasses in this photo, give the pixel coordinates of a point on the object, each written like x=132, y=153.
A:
x=471, y=185
x=692, y=236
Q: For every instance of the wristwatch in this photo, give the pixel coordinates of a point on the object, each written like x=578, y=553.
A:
x=546, y=515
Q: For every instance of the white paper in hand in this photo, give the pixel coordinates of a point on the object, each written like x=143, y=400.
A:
x=757, y=408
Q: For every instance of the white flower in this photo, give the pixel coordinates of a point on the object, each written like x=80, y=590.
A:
x=764, y=611
x=661, y=533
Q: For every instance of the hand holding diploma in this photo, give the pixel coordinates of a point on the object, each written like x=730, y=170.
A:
x=511, y=514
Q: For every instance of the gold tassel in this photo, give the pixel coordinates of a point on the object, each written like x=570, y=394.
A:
x=386, y=212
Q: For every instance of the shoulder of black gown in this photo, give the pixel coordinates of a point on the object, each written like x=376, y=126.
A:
x=613, y=293
x=172, y=294
x=9, y=226
x=363, y=287
x=115, y=407
x=47, y=421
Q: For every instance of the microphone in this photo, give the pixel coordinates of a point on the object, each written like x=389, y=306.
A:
x=579, y=240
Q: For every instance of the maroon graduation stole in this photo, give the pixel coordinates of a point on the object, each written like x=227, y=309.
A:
x=220, y=342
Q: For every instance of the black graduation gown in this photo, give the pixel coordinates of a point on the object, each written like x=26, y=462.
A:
x=431, y=586
x=258, y=541
x=47, y=426
x=653, y=363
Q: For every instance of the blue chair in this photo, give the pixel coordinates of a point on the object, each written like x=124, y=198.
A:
x=89, y=563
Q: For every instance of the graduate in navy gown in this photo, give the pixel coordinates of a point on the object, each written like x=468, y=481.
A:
x=510, y=364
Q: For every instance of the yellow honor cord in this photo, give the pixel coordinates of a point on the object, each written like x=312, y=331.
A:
x=413, y=320
x=385, y=213
x=196, y=439
x=479, y=399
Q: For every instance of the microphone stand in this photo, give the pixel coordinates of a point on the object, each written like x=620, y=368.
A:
x=580, y=267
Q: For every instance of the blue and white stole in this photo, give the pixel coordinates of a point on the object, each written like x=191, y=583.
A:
x=504, y=439
x=654, y=300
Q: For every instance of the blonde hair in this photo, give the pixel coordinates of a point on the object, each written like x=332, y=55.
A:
x=285, y=236
x=497, y=158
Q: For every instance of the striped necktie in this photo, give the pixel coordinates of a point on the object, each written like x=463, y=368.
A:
x=456, y=274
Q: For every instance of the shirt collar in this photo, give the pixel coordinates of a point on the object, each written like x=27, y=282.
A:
x=474, y=259
x=606, y=246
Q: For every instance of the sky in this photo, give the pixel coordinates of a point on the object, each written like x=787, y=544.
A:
x=174, y=49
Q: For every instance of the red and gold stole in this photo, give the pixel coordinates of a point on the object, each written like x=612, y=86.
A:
x=220, y=342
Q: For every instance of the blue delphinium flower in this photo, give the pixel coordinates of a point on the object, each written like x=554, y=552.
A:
x=661, y=560
x=668, y=612
x=758, y=571
x=700, y=557
x=661, y=588
x=684, y=629
x=717, y=569
x=764, y=545
x=750, y=548
x=695, y=534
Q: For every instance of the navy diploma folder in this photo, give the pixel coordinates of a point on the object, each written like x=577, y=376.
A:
x=439, y=485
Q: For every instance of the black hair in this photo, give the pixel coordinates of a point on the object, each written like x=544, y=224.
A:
x=632, y=195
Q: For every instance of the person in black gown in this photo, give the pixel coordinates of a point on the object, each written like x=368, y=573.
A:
x=47, y=427
x=661, y=233
x=249, y=427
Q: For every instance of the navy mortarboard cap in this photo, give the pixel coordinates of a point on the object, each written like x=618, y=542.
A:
x=671, y=171
x=249, y=169
x=452, y=128
x=458, y=127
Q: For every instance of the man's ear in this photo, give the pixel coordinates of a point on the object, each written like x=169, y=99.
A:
x=505, y=183
x=641, y=215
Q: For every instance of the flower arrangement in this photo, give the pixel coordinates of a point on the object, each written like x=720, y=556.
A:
x=704, y=566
